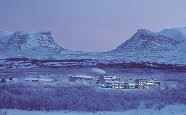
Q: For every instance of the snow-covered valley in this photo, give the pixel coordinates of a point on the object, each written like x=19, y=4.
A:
x=156, y=55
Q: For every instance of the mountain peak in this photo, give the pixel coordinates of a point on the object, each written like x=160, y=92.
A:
x=165, y=46
x=27, y=39
x=139, y=40
x=27, y=43
x=144, y=31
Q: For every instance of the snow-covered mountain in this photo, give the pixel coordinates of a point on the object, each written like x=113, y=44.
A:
x=165, y=47
x=28, y=44
x=144, y=47
x=35, y=45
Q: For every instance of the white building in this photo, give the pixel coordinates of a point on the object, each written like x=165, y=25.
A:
x=105, y=78
x=74, y=78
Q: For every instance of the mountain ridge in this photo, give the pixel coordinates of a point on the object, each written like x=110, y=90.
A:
x=25, y=44
x=145, y=46
x=161, y=47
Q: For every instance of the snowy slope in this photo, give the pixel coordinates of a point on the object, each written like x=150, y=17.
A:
x=165, y=47
x=36, y=45
x=28, y=44
x=168, y=110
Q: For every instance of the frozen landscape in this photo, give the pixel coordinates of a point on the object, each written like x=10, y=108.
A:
x=165, y=49
x=169, y=110
x=26, y=56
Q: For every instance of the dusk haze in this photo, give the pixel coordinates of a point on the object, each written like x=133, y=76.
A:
x=80, y=24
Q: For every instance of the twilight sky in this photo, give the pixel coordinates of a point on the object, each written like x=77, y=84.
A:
x=91, y=25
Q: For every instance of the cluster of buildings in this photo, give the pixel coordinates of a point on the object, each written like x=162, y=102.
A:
x=104, y=81
x=115, y=82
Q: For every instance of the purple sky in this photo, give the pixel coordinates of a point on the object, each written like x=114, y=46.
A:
x=91, y=25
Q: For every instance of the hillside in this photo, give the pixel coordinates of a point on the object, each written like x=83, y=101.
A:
x=165, y=47
x=28, y=44
x=144, y=48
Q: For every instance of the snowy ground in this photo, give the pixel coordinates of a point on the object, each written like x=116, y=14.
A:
x=14, y=93
x=169, y=110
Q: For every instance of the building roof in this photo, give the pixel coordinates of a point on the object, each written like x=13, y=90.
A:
x=115, y=82
x=110, y=77
x=82, y=76
x=153, y=81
